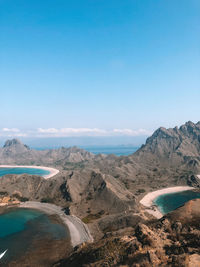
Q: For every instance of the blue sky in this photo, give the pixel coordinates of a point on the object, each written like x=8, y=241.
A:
x=98, y=67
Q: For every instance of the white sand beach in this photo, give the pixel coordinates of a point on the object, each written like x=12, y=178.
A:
x=52, y=171
x=148, y=199
x=79, y=231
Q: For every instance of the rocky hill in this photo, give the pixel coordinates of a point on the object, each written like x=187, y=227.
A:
x=171, y=241
x=104, y=191
x=170, y=157
x=173, y=147
x=14, y=152
x=80, y=187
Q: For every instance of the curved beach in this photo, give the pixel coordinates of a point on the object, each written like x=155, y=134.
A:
x=52, y=171
x=148, y=200
x=79, y=232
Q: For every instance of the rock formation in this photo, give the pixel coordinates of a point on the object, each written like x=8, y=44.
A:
x=14, y=152
x=170, y=241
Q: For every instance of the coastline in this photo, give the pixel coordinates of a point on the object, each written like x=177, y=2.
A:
x=148, y=199
x=79, y=232
x=52, y=171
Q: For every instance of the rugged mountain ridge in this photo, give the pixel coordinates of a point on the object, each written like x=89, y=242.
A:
x=14, y=152
x=170, y=157
x=171, y=241
x=104, y=191
x=173, y=146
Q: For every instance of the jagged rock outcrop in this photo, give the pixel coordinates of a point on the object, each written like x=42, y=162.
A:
x=173, y=147
x=98, y=192
x=169, y=158
x=171, y=241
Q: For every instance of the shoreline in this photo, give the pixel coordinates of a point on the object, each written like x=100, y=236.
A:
x=148, y=199
x=52, y=171
x=79, y=232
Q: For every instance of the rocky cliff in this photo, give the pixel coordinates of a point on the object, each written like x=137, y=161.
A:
x=173, y=147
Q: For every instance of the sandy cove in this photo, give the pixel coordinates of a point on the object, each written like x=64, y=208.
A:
x=52, y=171
x=148, y=200
x=79, y=231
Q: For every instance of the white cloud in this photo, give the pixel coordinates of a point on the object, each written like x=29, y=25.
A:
x=91, y=132
x=49, y=130
x=18, y=135
x=11, y=130
x=70, y=132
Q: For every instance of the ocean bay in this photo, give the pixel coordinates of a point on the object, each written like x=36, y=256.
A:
x=22, y=170
x=169, y=202
x=25, y=231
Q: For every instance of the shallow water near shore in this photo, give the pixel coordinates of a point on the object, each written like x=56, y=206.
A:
x=20, y=228
x=169, y=202
x=31, y=171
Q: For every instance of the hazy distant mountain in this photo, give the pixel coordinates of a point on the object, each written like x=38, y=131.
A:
x=15, y=152
x=84, y=141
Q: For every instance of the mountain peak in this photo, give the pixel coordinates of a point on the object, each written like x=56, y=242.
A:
x=190, y=123
x=174, y=142
x=13, y=143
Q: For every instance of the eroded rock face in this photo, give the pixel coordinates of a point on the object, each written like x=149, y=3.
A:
x=180, y=144
x=31, y=187
x=170, y=241
x=193, y=181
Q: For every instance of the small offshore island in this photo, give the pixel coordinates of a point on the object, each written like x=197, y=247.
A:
x=111, y=210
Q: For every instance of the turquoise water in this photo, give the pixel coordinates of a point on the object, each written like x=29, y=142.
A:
x=15, y=221
x=20, y=227
x=172, y=201
x=32, y=171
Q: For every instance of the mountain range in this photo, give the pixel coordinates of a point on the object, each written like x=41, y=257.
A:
x=104, y=190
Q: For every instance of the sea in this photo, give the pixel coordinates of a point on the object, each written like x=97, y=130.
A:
x=20, y=228
x=116, y=150
x=169, y=202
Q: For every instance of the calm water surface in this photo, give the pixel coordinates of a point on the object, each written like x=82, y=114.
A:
x=20, y=227
x=116, y=150
x=172, y=201
x=31, y=171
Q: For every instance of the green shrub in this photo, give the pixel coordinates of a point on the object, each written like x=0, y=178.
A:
x=141, y=190
x=46, y=200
